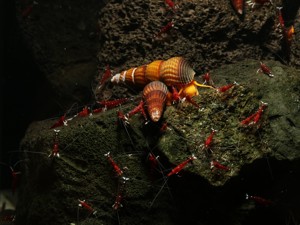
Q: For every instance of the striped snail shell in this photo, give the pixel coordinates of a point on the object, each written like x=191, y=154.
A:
x=133, y=76
x=174, y=71
x=155, y=95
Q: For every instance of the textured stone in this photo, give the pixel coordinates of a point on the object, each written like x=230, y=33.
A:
x=83, y=172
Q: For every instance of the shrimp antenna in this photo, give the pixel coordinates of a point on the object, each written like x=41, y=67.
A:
x=21, y=160
x=78, y=215
x=160, y=190
x=127, y=132
x=118, y=216
x=70, y=109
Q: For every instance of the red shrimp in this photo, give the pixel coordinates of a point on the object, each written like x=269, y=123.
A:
x=248, y=120
x=216, y=164
x=98, y=110
x=60, y=122
x=208, y=141
x=82, y=203
x=178, y=168
x=14, y=181
x=55, y=149
x=175, y=95
x=280, y=18
x=154, y=163
x=191, y=100
x=259, y=112
x=226, y=87
x=113, y=103
x=107, y=74
x=175, y=170
x=84, y=112
x=265, y=69
x=165, y=29
x=153, y=160
x=171, y=4
x=255, y=117
x=117, y=204
x=116, y=168
x=259, y=200
x=121, y=115
x=206, y=78
x=139, y=108
x=14, y=175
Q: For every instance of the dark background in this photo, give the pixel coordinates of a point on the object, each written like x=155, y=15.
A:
x=25, y=96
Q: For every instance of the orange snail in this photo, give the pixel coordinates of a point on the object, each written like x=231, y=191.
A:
x=155, y=95
x=173, y=72
x=155, y=77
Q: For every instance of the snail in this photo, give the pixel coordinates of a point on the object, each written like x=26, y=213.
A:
x=155, y=95
x=172, y=72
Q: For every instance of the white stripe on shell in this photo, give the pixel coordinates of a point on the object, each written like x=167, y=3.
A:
x=124, y=76
x=132, y=74
x=115, y=78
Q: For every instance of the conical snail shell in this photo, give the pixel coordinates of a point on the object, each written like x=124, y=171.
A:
x=174, y=71
x=154, y=95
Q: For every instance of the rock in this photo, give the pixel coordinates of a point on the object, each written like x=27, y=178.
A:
x=200, y=194
x=211, y=31
x=62, y=37
x=208, y=34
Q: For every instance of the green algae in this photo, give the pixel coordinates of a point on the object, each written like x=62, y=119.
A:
x=233, y=145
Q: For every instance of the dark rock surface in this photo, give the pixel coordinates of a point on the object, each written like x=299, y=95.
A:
x=264, y=160
x=207, y=33
x=63, y=38
x=69, y=43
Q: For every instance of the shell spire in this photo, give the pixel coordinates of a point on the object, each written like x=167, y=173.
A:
x=133, y=76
